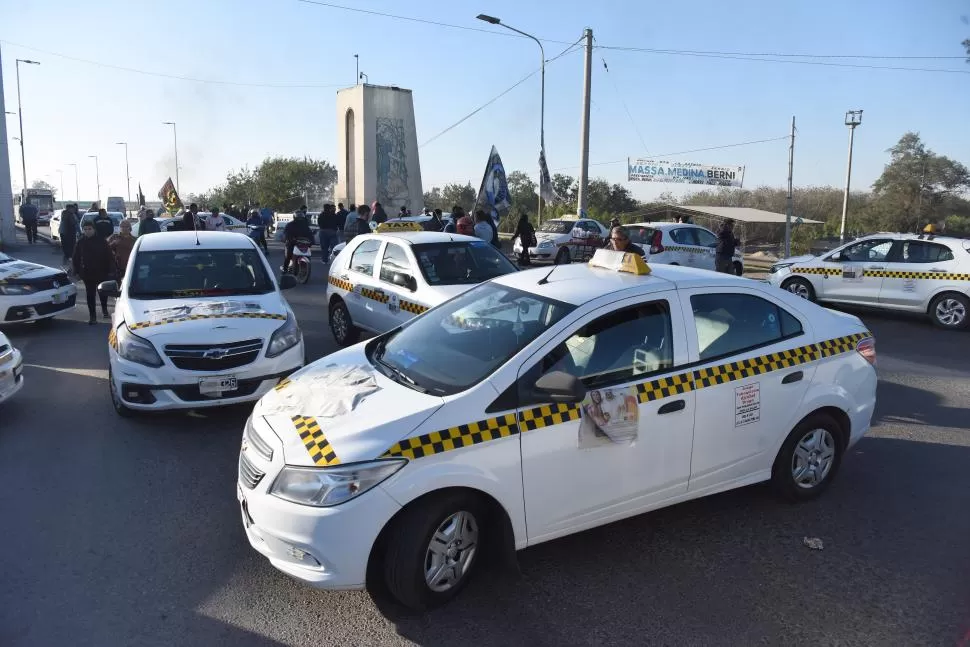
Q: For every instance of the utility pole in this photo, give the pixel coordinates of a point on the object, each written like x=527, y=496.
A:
x=97, y=177
x=127, y=176
x=20, y=117
x=852, y=119
x=357, y=71
x=790, y=203
x=922, y=182
x=584, y=127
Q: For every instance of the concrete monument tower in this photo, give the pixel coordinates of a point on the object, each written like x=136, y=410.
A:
x=377, y=148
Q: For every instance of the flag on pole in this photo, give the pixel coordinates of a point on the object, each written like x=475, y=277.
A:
x=546, y=190
x=141, y=196
x=170, y=197
x=493, y=196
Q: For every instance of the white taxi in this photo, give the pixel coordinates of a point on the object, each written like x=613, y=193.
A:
x=11, y=369
x=31, y=292
x=679, y=244
x=198, y=324
x=566, y=239
x=907, y=272
x=384, y=279
x=540, y=404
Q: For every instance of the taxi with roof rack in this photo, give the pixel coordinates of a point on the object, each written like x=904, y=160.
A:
x=539, y=404
x=200, y=322
x=381, y=280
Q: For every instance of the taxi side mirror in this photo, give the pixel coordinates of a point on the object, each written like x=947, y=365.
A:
x=560, y=386
x=109, y=289
x=405, y=281
x=287, y=281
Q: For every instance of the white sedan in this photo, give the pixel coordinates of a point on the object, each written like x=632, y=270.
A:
x=566, y=239
x=11, y=369
x=31, y=292
x=537, y=405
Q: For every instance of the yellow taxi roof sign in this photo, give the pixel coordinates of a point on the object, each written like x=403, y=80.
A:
x=399, y=226
x=620, y=262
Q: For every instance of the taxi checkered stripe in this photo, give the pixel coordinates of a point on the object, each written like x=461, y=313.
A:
x=682, y=248
x=381, y=297
x=113, y=339
x=413, y=308
x=829, y=271
x=556, y=414
x=374, y=295
x=227, y=315
x=316, y=443
x=938, y=276
x=340, y=283
x=282, y=385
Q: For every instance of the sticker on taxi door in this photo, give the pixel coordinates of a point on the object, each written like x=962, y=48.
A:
x=852, y=274
x=609, y=416
x=747, y=404
x=393, y=303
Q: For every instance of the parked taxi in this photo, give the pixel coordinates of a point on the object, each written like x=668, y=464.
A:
x=382, y=280
x=566, y=239
x=11, y=369
x=539, y=404
x=31, y=292
x=922, y=273
x=679, y=244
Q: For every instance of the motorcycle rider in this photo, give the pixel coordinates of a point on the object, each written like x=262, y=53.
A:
x=296, y=229
x=257, y=230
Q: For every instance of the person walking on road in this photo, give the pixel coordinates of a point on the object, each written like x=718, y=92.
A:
x=104, y=226
x=93, y=262
x=328, y=223
x=67, y=231
x=147, y=223
x=121, y=245
x=28, y=215
x=214, y=221
x=526, y=234
x=727, y=243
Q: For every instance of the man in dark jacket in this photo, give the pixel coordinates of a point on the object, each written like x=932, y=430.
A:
x=378, y=214
x=190, y=218
x=68, y=231
x=362, y=225
x=147, y=223
x=93, y=263
x=329, y=223
x=104, y=226
x=28, y=215
x=295, y=229
x=726, y=245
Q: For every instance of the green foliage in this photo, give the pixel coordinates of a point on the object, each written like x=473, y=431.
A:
x=45, y=186
x=281, y=183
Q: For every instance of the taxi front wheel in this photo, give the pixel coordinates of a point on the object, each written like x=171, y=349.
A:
x=799, y=287
x=808, y=459
x=950, y=311
x=342, y=326
x=433, y=549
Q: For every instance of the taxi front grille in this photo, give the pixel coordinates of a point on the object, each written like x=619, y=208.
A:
x=249, y=474
x=213, y=357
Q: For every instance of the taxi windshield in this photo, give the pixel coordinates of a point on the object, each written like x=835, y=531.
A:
x=462, y=341
x=190, y=273
x=460, y=262
x=557, y=226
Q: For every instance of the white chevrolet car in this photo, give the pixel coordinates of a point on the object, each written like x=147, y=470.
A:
x=907, y=272
x=540, y=404
x=566, y=239
x=198, y=324
x=31, y=292
x=11, y=369
x=679, y=244
x=384, y=279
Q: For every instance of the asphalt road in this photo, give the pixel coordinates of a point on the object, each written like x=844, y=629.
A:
x=127, y=532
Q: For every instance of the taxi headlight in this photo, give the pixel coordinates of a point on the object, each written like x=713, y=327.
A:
x=11, y=290
x=286, y=337
x=545, y=243
x=777, y=267
x=135, y=349
x=328, y=486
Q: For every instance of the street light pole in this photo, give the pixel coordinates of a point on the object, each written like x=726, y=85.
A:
x=61, y=173
x=852, y=119
x=77, y=192
x=127, y=175
x=20, y=118
x=97, y=177
x=492, y=20
x=175, y=136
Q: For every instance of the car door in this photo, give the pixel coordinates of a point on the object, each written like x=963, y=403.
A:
x=682, y=252
x=753, y=367
x=395, y=261
x=918, y=269
x=862, y=265
x=628, y=444
x=358, y=276
x=706, y=246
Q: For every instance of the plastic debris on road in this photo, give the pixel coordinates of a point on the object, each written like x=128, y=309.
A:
x=813, y=542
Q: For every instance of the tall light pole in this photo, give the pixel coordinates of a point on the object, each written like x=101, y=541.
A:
x=176, y=139
x=583, y=183
x=77, y=192
x=20, y=117
x=492, y=20
x=127, y=174
x=852, y=119
x=61, y=173
x=97, y=177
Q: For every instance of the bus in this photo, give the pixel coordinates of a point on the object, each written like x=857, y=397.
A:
x=43, y=199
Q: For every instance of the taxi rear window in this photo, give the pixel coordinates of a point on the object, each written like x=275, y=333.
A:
x=191, y=273
x=640, y=235
x=461, y=262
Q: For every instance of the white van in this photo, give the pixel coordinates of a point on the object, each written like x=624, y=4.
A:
x=115, y=203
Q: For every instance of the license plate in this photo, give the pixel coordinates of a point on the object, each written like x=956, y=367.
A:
x=217, y=385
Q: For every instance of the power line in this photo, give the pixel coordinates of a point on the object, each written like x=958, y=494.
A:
x=778, y=54
x=625, y=107
x=696, y=150
x=175, y=76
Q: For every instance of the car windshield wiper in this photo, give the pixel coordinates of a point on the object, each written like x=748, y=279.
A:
x=398, y=376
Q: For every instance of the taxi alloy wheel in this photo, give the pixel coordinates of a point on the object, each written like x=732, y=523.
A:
x=950, y=311
x=801, y=288
x=809, y=458
x=342, y=326
x=813, y=458
x=562, y=256
x=451, y=551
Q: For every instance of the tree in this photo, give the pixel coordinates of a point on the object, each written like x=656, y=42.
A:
x=44, y=186
x=522, y=190
x=281, y=183
x=462, y=195
x=565, y=187
x=433, y=199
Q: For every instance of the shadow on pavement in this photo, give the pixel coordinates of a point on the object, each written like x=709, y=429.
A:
x=903, y=404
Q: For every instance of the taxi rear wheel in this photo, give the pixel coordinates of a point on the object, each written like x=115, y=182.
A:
x=342, y=326
x=809, y=458
x=950, y=311
x=433, y=549
x=800, y=288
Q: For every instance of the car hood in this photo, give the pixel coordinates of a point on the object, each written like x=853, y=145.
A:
x=796, y=259
x=341, y=400
x=206, y=320
x=542, y=236
x=15, y=269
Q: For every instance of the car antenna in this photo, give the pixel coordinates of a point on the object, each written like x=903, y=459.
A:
x=545, y=279
x=195, y=221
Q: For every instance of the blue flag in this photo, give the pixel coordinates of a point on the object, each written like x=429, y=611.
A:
x=493, y=196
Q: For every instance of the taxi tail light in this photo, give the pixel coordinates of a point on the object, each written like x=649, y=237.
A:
x=867, y=348
x=656, y=246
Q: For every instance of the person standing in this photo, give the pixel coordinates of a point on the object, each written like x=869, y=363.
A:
x=328, y=222
x=214, y=221
x=28, y=215
x=727, y=243
x=190, y=218
x=104, y=226
x=341, y=213
x=620, y=242
x=435, y=224
x=483, y=229
x=258, y=229
x=147, y=223
x=378, y=214
x=526, y=234
x=67, y=232
x=465, y=226
x=121, y=245
x=350, y=223
x=362, y=224
x=92, y=262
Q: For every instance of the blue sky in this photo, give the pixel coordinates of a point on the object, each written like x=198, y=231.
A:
x=74, y=109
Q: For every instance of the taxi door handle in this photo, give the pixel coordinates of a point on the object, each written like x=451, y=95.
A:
x=791, y=378
x=671, y=407
x=877, y=267
x=938, y=270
